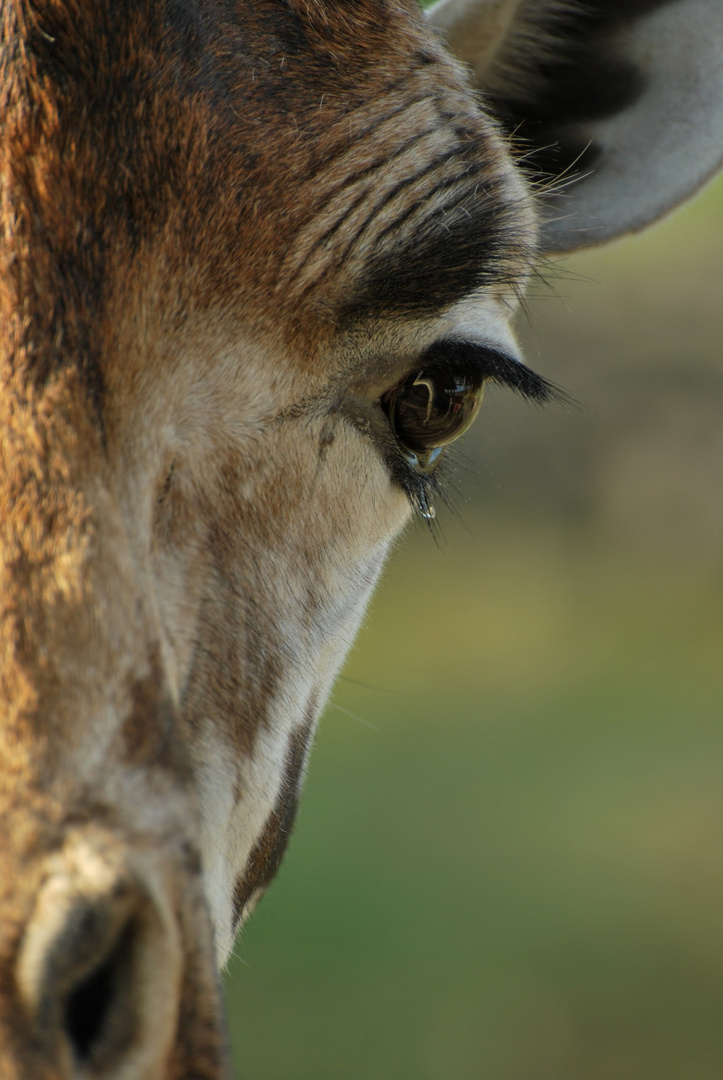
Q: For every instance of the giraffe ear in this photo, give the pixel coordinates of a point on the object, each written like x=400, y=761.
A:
x=621, y=101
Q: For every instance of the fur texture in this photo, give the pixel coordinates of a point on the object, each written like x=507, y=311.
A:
x=228, y=229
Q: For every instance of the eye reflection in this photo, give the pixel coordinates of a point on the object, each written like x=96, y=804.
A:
x=433, y=408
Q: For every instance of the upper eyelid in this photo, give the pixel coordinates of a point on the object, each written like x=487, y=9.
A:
x=492, y=363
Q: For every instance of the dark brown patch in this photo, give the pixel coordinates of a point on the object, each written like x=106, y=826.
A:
x=265, y=858
x=235, y=675
x=85, y=176
x=150, y=732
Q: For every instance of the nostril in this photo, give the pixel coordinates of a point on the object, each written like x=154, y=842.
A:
x=79, y=970
x=99, y=966
x=98, y=1008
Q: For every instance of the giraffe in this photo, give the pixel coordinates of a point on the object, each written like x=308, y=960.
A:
x=258, y=259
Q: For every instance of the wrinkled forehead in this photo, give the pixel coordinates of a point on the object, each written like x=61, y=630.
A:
x=389, y=190
x=306, y=164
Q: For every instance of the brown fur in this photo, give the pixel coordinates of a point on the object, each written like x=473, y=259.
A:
x=268, y=851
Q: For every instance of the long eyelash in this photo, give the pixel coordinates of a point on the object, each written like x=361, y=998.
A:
x=425, y=489
x=474, y=359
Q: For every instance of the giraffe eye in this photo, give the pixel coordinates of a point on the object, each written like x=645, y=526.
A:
x=433, y=407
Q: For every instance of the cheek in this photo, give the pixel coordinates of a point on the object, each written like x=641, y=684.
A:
x=376, y=509
x=264, y=566
x=338, y=494
x=284, y=544
x=181, y=564
x=333, y=538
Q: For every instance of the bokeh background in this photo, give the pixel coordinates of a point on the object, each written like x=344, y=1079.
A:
x=509, y=858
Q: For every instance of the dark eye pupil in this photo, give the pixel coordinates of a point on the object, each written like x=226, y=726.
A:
x=433, y=408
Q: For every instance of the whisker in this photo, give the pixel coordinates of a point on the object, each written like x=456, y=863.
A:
x=379, y=689
x=353, y=716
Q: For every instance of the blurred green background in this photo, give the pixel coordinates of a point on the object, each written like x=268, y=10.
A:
x=509, y=858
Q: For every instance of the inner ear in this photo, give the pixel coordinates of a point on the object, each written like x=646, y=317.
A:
x=547, y=65
x=548, y=95
x=618, y=101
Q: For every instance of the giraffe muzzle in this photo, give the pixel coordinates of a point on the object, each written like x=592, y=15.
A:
x=99, y=969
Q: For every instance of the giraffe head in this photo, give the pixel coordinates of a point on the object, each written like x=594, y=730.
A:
x=258, y=260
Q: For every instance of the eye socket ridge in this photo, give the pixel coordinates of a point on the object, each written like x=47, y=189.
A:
x=438, y=402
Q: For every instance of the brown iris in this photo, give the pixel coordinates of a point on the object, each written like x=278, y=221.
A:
x=432, y=408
